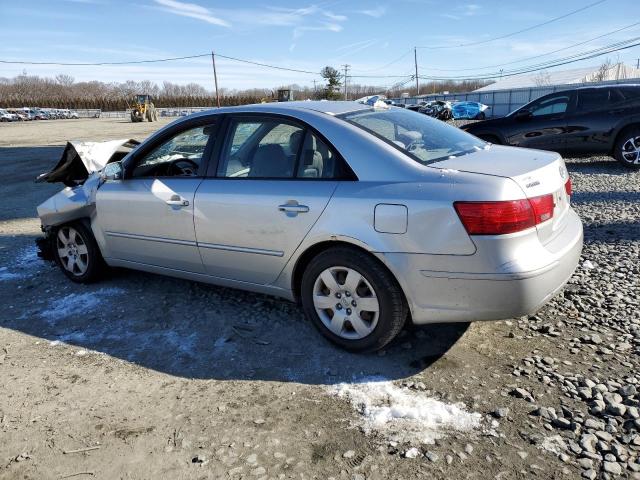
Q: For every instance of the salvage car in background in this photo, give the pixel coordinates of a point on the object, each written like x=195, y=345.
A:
x=369, y=215
x=469, y=110
x=6, y=116
x=582, y=121
x=440, y=109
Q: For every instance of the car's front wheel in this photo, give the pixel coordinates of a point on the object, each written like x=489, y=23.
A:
x=627, y=149
x=77, y=253
x=353, y=300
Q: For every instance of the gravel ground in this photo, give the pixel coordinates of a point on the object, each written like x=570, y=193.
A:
x=142, y=376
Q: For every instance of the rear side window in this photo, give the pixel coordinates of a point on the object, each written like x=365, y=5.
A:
x=550, y=106
x=593, y=100
x=274, y=148
x=629, y=93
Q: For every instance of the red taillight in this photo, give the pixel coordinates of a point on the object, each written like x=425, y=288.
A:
x=568, y=187
x=510, y=216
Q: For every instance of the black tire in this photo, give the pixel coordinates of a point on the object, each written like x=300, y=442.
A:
x=392, y=304
x=95, y=265
x=627, y=138
x=480, y=116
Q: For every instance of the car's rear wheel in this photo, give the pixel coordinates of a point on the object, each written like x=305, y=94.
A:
x=490, y=138
x=627, y=149
x=77, y=253
x=353, y=300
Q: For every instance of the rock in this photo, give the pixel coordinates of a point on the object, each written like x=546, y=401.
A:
x=561, y=423
x=589, y=474
x=523, y=455
x=613, y=468
x=349, y=454
x=253, y=458
x=199, y=459
x=588, y=442
x=413, y=452
x=431, y=456
x=627, y=390
x=592, y=424
x=259, y=421
x=448, y=459
x=468, y=448
x=617, y=409
x=585, y=463
x=500, y=412
x=521, y=393
x=605, y=436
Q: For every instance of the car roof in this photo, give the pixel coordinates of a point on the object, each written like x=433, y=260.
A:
x=611, y=85
x=323, y=106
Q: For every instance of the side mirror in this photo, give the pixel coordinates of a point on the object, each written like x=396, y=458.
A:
x=112, y=171
x=523, y=114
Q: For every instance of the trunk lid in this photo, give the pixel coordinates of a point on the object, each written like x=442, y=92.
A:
x=536, y=172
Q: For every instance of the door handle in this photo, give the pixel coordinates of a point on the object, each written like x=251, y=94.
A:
x=177, y=201
x=293, y=207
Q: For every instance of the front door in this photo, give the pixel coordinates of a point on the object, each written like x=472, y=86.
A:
x=546, y=126
x=147, y=218
x=274, y=179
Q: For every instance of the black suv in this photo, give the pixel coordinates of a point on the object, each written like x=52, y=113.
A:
x=578, y=122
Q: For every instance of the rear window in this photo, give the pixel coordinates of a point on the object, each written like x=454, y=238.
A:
x=421, y=137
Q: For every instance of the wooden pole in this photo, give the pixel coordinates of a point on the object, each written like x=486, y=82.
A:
x=415, y=61
x=215, y=77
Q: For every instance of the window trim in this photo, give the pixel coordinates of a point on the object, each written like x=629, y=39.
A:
x=213, y=120
x=224, y=132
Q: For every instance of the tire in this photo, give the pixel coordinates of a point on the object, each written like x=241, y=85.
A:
x=372, y=281
x=627, y=148
x=77, y=253
x=481, y=116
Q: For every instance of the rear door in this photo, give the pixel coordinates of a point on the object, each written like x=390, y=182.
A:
x=590, y=127
x=546, y=127
x=273, y=180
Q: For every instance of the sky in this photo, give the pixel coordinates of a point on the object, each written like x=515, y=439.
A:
x=375, y=38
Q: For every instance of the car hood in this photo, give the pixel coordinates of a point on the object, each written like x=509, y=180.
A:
x=80, y=159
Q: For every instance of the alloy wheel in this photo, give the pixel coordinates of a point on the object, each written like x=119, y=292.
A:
x=346, y=302
x=631, y=150
x=72, y=251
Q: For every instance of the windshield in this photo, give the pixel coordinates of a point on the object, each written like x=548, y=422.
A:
x=423, y=138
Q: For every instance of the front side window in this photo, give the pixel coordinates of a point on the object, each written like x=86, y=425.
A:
x=550, y=106
x=423, y=138
x=180, y=156
x=261, y=149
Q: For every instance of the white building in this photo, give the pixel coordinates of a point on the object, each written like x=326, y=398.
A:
x=545, y=78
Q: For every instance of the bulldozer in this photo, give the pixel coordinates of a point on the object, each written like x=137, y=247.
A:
x=143, y=109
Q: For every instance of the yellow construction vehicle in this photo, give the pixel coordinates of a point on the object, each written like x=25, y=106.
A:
x=143, y=109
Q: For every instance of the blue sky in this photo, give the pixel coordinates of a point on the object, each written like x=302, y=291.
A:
x=297, y=34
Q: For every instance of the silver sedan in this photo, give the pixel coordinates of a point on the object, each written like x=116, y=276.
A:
x=370, y=216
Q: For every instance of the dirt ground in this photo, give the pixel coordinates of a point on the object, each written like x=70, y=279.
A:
x=146, y=377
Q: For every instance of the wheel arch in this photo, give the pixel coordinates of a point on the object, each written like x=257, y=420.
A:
x=311, y=251
x=621, y=132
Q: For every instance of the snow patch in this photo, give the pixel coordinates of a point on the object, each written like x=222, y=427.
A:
x=25, y=265
x=77, y=303
x=403, y=415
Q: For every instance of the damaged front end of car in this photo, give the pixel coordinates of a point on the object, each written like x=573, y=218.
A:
x=81, y=169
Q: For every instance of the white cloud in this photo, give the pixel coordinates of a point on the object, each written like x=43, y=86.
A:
x=377, y=12
x=192, y=10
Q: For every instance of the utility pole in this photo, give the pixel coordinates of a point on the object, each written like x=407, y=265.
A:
x=346, y=72
x=415, y=59
x=638, y=64
x=215, y=77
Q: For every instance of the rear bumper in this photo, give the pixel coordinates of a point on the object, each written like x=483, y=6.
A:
x=508, y=276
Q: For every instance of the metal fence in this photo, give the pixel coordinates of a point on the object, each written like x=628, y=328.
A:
x=503, y=102
x=162, y=112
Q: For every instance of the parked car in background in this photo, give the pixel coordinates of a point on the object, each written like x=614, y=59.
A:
x=440, y=109
x=415, y=106
x=582, y=121
x=368, y=215
x=6, y=116
x=469, y=110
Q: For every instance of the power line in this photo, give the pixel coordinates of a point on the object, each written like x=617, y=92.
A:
x=534, y=68
x=133, y=62
x=537, y=56
x=482, y=42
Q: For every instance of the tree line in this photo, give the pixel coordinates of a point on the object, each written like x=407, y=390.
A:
x=62, y=91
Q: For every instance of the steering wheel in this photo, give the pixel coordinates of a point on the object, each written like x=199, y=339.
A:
x=188, y=168
x=413, y=145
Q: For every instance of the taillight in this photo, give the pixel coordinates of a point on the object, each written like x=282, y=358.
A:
x=568, y=187
x=509, y=216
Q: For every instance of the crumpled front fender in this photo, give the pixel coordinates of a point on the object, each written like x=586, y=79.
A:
x=71, y=203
